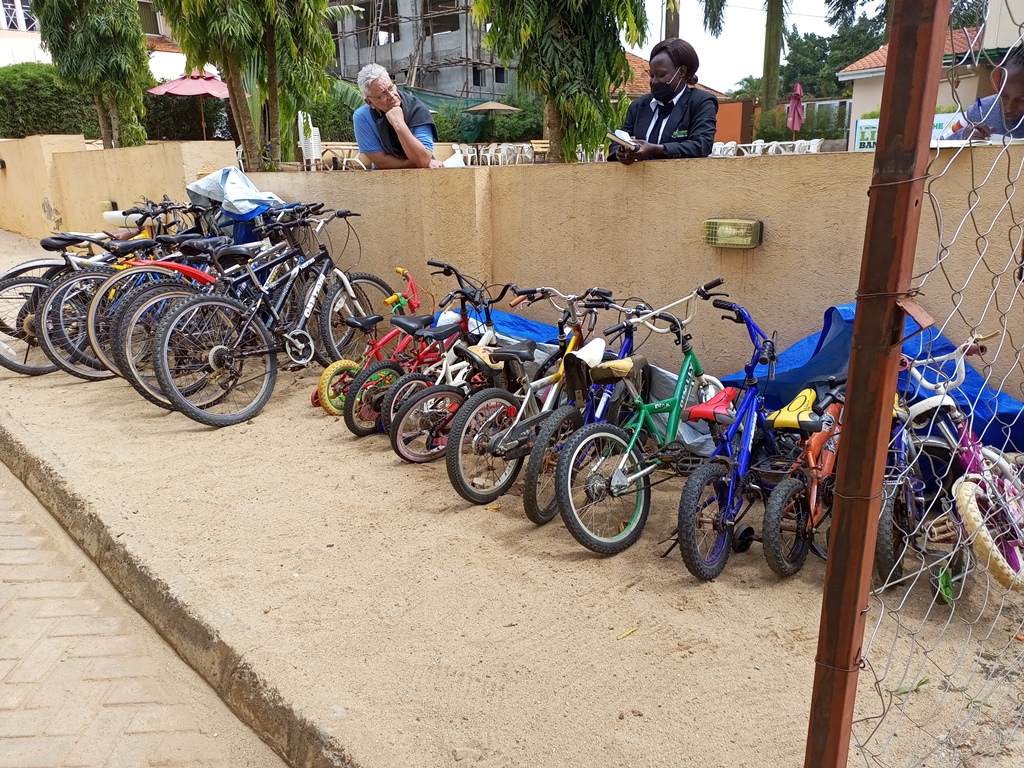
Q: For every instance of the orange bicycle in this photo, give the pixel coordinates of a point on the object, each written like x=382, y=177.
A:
x=802, y=502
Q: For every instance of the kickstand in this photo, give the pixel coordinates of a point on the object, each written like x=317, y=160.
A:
x=674, y=538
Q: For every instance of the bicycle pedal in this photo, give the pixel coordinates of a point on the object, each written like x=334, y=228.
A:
x=292, y=367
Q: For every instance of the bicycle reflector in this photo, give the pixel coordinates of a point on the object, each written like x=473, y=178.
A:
x=732, y=233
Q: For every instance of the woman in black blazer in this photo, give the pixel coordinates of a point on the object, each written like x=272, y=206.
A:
x=675, y=119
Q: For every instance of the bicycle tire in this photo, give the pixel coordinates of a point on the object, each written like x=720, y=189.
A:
x=483, y=415
x=690, y=520
x=110, y=297
x=540, y=499
x=890, y=542
x=621, y=525
x=973, y=505
x=202, y=348
x=62, y=333
x=364, y=396
x=333, y=385
x=407, y=385
x=370, y=292
x=20, y=351
x=429, y=414
x=788, y=501
x=134, y=338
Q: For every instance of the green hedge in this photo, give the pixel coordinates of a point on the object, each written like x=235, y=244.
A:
x=177, y=118
x=35, y=102
x=830, y=124
x=334, y=120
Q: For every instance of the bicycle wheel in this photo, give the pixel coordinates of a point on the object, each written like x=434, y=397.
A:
x=891, y=541
x=365, y=394
x=986, y=506
x=704, y=537
x=133, y=338
x=112, y=296
x=603, y=519
x=540, y=502
x=62, y=321
x=786, y=533
x=215, y=362
x=334, y=383
x=368, y=299
x=419, y=431
x=407, y=385
x=20, y=352
x=477, y=475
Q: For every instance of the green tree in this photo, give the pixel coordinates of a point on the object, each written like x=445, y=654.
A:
x=98, y=47
x=963, y=13
x=806, y=63
x=37, y=101
x=569, y=52
x=227, y=34
x=747, y=88
x=853, y=42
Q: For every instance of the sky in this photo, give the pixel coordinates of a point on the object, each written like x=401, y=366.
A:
x=739, y=51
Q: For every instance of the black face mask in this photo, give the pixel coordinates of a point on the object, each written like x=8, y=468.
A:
x=664, y=92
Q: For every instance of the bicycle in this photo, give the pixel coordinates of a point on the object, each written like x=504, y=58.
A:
x=987, y=507
x=494, y=429
x=801, y=503
x=602, y=478
x=711, y=501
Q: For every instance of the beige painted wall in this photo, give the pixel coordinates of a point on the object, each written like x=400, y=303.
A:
x=29, y=204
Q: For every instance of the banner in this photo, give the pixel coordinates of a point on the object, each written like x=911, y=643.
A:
x=866, y=131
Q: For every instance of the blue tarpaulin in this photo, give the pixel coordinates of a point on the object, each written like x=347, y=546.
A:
x=517, y=327
x=997, y=416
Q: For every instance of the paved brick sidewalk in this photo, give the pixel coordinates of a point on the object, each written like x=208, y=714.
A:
x=84, y=680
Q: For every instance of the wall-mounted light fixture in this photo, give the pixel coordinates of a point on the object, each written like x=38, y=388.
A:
x=732, y=233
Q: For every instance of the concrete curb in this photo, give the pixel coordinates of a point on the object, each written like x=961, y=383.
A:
x=255, y=701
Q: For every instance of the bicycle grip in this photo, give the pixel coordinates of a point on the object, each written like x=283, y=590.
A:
x=392, y=299
x=713, y=284
x=975, y=349
x=438, y=264
x=519, y=300
x=595, y=305
x=619, y=328
x=722, y=304
x=400, y=270
x=447, y=300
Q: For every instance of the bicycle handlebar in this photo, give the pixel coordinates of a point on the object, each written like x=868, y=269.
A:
x=728, y=306
x=968, y=348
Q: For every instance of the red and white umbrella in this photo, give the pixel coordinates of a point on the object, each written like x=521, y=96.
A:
x=195, y=84
x=795, y=121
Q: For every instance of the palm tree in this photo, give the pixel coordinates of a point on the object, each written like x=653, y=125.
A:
x=963, y=13
x=747, y=88
x=568, y=51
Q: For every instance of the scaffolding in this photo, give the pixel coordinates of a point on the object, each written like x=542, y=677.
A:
x=432, y=45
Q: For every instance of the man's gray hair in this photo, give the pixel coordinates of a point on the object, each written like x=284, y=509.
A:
x=371, y=73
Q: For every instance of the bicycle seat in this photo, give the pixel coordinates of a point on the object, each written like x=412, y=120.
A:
x=363, y=323
x=797, y=414
x=204, y=245
x=613, y=370
x=477, y=356
x=128, y=247
x=718, y=409
x=236, y=254
x=523, y=352
x=439, y=334
x=59, y=242
x=412, y=323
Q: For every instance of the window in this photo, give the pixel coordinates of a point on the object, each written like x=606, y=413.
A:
x=440, y=16
x=500, y=75
x=150, y=23
x=378, y=24
x=11, y=18
x=479, y=77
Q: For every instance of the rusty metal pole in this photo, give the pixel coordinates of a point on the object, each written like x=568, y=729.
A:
x=912, y=70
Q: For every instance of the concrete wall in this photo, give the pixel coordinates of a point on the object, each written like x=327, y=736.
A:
x=52, y=183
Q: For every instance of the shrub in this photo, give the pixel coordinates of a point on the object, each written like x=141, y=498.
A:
x=35, y=102
x=522, y=126
x=823, y=124
x=334, y=119
x=177, y=118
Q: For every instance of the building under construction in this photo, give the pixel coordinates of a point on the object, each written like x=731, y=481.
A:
x=428, y=44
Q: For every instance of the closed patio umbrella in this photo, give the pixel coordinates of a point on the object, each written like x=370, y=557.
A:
x=795, y=121
x=195, y=84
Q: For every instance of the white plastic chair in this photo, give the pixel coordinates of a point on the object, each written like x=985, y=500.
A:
x=813, y=146
x=490, y=154
x=757, y=147
x=716, y=149
x=309, y=140
x=775, y=149
x=729, y=150
x=505, y=154
x=800, y=147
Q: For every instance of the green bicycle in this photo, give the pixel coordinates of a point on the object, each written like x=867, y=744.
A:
x=603, y=475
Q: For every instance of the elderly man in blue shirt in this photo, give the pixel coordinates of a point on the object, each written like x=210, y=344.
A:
x=393, y=129
x=1002, y=113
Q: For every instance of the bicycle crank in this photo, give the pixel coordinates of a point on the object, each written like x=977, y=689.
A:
x=298, y=345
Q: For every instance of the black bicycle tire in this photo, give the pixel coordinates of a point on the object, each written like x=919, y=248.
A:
x=538, y=512
x=65, y=352
x=38, y=287
x=785, y=564
x=687, y=530
x=353, y=397
x=408, y=406
x=201, y=414
x=397, y=393
x=628, y=535
x=336, y=348
x=453, y=453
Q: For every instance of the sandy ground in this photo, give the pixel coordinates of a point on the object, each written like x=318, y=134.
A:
x=420, y=630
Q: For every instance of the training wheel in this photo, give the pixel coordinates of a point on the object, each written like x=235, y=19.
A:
x=314, y=398
x=742, y=537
